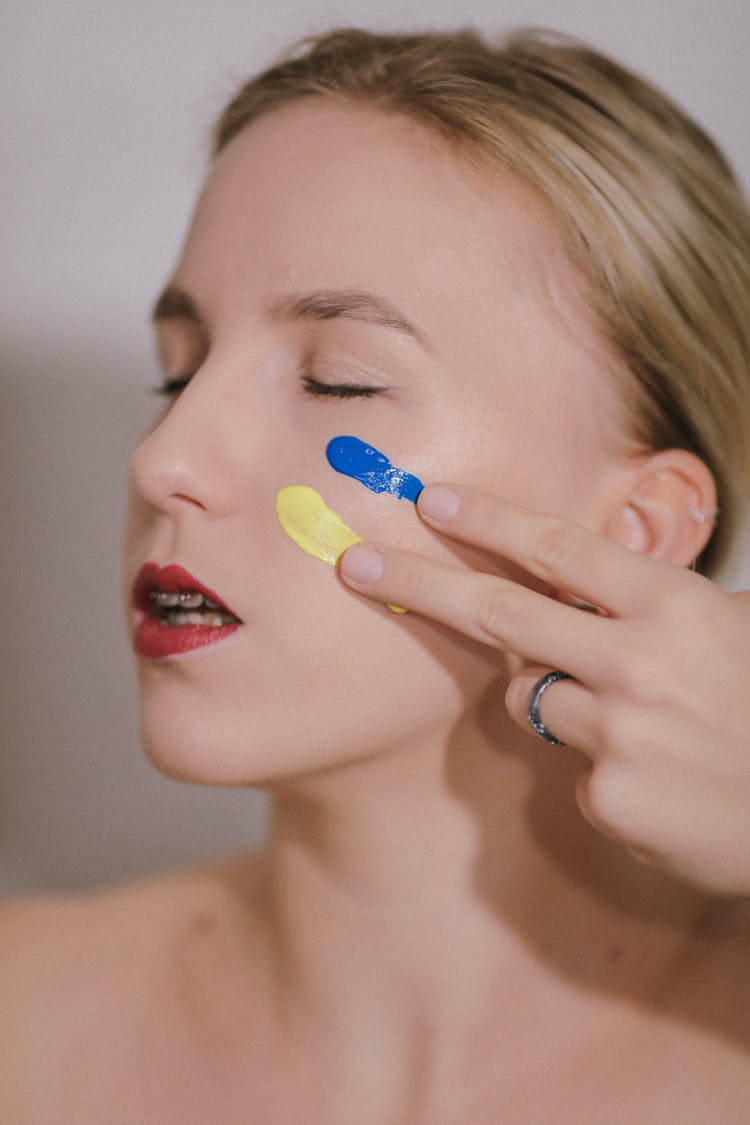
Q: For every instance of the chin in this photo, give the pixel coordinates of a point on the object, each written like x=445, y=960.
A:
x=184, y=750
x=266, y=726
x=176, y=755
x=271, y=748
x=243, y=750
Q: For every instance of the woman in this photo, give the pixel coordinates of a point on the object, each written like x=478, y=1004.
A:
x=523, y=272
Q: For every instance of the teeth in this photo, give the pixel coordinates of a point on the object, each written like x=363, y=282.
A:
x=179, y=617
x=190, y=600
x=177, y=608
x=163, y=599
x=186, y=599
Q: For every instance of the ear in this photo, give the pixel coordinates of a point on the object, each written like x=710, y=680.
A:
x=667, y=507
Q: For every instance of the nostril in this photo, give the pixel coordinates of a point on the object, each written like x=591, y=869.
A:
x=161, y=476
x=166, y=478
x=185, y=499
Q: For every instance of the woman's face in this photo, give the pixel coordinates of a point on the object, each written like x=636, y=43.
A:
x=483, y=371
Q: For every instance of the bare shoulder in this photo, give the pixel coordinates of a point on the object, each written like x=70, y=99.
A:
x=67, y=939
x=115, y=974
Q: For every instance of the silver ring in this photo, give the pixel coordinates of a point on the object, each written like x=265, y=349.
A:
x=535, y=719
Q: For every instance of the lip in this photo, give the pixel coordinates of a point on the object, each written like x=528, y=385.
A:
x=155, y=639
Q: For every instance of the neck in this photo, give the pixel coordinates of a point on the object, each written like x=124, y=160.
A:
x=445, y=878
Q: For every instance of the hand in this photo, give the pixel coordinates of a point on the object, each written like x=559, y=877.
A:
x=660, y=699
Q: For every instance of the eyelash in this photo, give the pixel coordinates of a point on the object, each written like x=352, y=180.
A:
x=338, y=390
x=172, y=386
x=312, y=386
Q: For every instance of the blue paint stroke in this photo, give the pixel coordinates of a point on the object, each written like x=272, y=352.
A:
x=353, y=458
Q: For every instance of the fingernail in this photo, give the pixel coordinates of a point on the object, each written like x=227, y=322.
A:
x=362, y=564
x=439, y=503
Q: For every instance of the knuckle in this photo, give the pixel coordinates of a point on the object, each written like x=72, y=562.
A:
x=652, y=685
x=707, y=611
x=639, y=669
x=556, y=547
x=497, y=610
x=677, y=600
x=641, y=675
x=600, y=797
x=416, y=584
x=617, y=732
x=689, y=600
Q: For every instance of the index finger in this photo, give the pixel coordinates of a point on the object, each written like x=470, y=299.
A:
x=558, y=551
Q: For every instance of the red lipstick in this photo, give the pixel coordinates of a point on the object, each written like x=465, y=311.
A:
x=177, y=613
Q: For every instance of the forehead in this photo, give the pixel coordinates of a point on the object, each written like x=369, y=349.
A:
x=326, y=195
x=322, y=192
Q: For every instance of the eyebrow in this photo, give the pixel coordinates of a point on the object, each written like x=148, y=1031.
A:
x=323, y=304
x=348, y=304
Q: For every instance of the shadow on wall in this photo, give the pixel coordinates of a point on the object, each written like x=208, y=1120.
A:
x=78, y=803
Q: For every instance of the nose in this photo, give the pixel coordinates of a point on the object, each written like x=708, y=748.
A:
x=189, y=458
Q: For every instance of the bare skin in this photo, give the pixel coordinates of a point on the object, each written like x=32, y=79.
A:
x=167, y=1001
x=434, y=933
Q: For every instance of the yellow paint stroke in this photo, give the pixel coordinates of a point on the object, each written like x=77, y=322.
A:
x=316, y=528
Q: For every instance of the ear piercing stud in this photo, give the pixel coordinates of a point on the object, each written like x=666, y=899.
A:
x=700, y=515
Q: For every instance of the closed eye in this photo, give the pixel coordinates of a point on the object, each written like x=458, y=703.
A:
x=339, y=390
x=313, y=386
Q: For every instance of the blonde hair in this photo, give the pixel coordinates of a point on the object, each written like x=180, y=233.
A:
x=652, y=213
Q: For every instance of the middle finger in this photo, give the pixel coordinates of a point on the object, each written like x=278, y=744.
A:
x=487, y=608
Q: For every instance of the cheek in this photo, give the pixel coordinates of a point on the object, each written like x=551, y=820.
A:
x=543, y=457
x=360, y=679
x=403, y=660
x=331, y=679
x=349, y=640
x=309, y=522
x=319, y=676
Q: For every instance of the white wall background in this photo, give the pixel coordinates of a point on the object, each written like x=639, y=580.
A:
x=107, y=107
